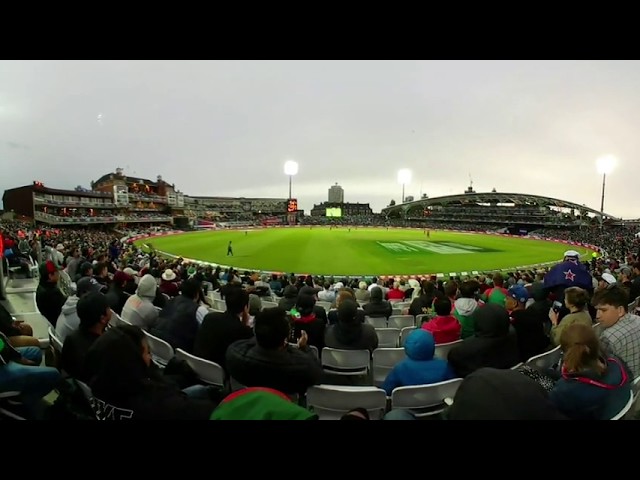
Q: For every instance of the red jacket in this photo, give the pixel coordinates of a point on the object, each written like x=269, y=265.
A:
x=395, y=294
x=444, y=329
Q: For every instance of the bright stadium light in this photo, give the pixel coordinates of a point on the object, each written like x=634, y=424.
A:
x=605, y=165
x=291, y=169
x=404, y=177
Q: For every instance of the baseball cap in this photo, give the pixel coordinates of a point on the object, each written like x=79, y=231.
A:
x=571, y=253
x=46, y=268
x=608, y=278
x=87, y=285
x=518, y=292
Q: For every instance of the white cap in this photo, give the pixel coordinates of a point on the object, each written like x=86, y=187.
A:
x=610, y=279
x=571, y=253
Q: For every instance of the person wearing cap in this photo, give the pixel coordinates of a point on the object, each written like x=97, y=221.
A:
x=289, y=296
x=117, y=295
x=94, y=314
x=49, y=298
x=528, y=323
x=605, y=281
x=86, y=270
x=68, y=321
x=569, y=273
x=168, y=284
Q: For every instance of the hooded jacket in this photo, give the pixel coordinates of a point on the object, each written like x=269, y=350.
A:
x=377, y=307
x=138, y=309
x=68, y=321
x=590, y=396
x=259, y=403
x=492, y=394
x=445, y=329
x=125, y=388
x=492, y=345
x=463, y=308
x=419, y=368
x=349, y=333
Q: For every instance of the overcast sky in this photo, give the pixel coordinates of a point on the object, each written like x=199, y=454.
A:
x=227, y=127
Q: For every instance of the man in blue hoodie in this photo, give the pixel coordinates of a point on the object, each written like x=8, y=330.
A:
x=419, y=368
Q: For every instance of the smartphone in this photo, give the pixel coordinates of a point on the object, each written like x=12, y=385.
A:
x=557, y=306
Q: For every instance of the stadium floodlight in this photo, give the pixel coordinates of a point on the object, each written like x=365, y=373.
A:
x=605, y=165
x=291, y=169
x=404, y=177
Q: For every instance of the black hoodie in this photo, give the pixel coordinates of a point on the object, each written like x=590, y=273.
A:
x=125, y=387
x=491, y=394
x=492, y=345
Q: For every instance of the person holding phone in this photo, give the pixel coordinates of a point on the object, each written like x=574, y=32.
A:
x=575, y=300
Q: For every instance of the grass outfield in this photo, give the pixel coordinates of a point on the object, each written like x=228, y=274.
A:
x=361, y=251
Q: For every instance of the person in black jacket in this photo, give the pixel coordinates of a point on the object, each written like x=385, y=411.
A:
x=268, y=360
x=377, y=307
x=116, y=295
x=49, y=298
x=219, y=330
x=125, y=386
x=493, y=344
x=492, y=394
x=94, y=314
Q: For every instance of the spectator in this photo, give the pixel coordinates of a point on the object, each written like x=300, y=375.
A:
x=420, y=367
x=592, y=387
x=269, y=361
x=49, y=298
x=94, y=315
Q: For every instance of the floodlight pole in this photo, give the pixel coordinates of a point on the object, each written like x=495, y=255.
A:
x=604, y=180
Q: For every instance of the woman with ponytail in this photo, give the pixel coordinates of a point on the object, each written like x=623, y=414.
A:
x=592, y=386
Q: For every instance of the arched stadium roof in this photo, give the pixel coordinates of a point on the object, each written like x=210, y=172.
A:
x=493, y=197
